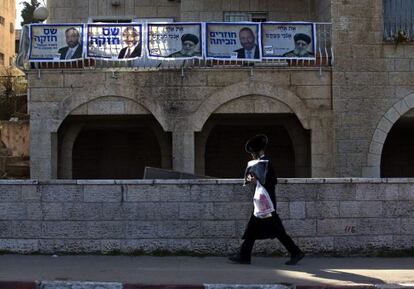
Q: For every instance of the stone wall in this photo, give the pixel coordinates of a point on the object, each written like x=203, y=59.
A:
x=277, y=10
x=324, y=216
x=182, y=104
x=7, y=32
x=373, y=85
x=15, y=135
x=62, y=11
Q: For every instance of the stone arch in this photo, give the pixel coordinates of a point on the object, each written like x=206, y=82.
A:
x=250, y=87
x=102, y=105
x=143, y=105
x=373, y=167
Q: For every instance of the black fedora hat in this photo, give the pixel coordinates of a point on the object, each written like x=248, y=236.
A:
x=256, y=143
x=302, y=36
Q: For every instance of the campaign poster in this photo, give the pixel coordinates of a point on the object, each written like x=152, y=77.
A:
x=295, y=40
x=175, y=40
x=114, y=41
x=236, y=41
x=56, y=42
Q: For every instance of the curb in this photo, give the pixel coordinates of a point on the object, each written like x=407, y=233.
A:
x=118, y=285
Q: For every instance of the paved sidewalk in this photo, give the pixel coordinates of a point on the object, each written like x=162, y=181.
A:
x=324, y=271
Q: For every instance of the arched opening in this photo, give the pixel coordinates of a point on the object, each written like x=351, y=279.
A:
x=397, y=158
x=112, y=147
x=220, y=145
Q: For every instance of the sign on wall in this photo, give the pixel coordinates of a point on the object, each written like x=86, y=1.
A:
x=294, y=40
x=175, y=40
x=233, y=41
x=114, y=41
x=56, y=42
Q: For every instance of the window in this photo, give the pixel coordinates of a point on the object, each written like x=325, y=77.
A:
x=11, y=27
x=1, y=20
x=110, y=20
x=398, y=19
x=1, y=58
x=245, y=16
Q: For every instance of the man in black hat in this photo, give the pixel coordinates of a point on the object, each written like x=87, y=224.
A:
x=188, y=47
x=264, y=228
x=302, y=42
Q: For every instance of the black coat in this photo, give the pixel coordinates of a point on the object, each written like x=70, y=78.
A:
x=78, y=52
x=135, y=53
x=241, y=53
x=269, y=227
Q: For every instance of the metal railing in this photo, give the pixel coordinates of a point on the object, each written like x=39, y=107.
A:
x=324, y=57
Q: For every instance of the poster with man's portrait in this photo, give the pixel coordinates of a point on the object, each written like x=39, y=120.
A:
x=175, y=40
x=114, y=41
x=284, y=40
x=235, y=41
x=56, y=42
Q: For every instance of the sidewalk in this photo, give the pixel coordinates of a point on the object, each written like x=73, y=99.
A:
x=149, y=270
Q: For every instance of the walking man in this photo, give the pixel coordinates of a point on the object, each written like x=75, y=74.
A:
x=271, y=226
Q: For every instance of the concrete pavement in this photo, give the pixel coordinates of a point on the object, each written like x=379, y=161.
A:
x=196, y=271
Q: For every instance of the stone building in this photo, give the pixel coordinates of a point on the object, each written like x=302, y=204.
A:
x=349, y=113
x=7, y=31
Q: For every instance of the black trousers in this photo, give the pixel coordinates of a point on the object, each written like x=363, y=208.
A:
x=282, y=236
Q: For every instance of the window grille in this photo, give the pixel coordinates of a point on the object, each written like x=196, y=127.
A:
x=1, y=20
x=245, y=16
x=110, y=20
x=398, y=19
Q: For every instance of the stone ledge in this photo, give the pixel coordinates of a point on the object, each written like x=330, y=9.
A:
x=210, y=181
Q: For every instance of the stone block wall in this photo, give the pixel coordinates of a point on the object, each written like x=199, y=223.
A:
x=324, y=216
x=181, y=105
x=15, y=135
x=185, y=10
x=373, y=85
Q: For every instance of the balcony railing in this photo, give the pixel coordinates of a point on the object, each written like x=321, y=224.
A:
x=324, y=58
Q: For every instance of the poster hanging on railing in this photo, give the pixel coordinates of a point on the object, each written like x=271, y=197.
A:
x=235, y=41
x=175, y=40
x=284, y=40
x=114, y=41
x=56, y=42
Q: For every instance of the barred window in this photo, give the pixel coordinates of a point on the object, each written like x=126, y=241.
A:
x=110, y=20
x=245, y=16
x=398, y=19
x=1, y=20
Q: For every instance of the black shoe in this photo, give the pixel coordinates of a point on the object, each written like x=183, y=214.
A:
x=294, y=259
x=237, y=259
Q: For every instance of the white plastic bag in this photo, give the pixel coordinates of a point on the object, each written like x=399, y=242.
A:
x=263, y=206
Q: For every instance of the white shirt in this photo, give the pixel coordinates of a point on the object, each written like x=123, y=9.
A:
x=71, y=51
x=246, y=53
